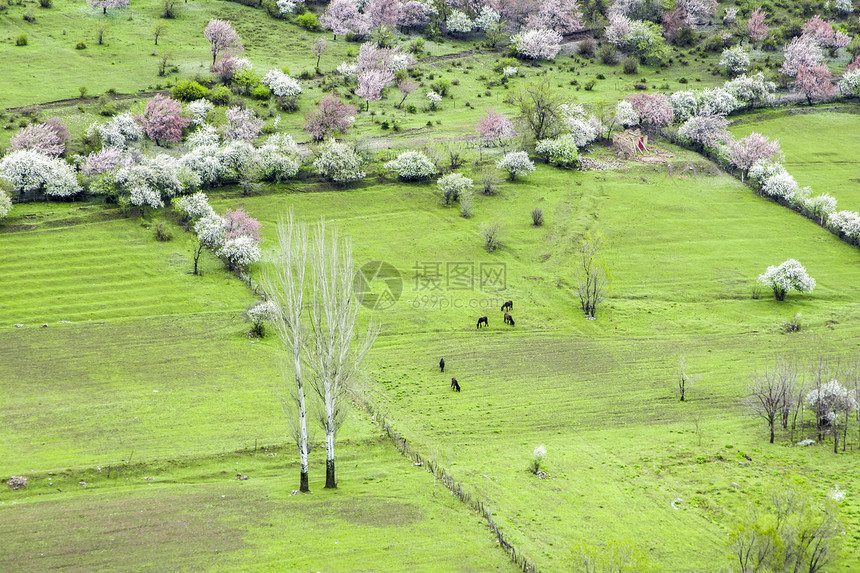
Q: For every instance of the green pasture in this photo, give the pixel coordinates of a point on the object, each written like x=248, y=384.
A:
x=820, y=148
x=144, y=386
x=684, y=251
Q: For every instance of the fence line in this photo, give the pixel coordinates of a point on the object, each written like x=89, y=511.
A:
x=452, y=484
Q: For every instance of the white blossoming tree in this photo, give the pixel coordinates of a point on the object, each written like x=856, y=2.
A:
x=338, y=162
x=787, y=277
x=452, y=186
x=516, y=163
x=412, y=166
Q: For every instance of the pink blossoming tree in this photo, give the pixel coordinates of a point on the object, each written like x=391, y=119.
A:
x=746, y=151
x=239, y=224
x=342, y=17
x=371, y=83
x=105, y=4
x=494, y=126
x=162, y=119
x=756, y=27
x=221, y=37
x=330, y=117
x=654, y=109
x=813, y=82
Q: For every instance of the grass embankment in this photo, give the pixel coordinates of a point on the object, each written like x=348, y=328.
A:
x=144, y=387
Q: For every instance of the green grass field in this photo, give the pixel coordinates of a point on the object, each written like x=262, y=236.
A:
x=820, y=149
x=134, y=394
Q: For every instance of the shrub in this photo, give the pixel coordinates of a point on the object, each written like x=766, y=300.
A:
x=441, y=86
x=21, y=40
x=516, y=163
x=537, y=217
x=787, y=277
x=412, y=166
x=189, y=90
x=561, y=152
x=261, y=92
x=162, y=232
x=631, y=65
x=587, y=47
x=46, y=3
x=5, y=204
x=452, y=185
x=537, y=459
x=81, y=46
x=489, y=181
x=29, y=16
x=308, y=21
x=220, y=95
x=466, y=204
x=607, y=54
x=491, y=233
x=259, y=315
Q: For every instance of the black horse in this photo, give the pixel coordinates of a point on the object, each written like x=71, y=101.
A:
x=483, y=320
x=455, y=385
x=508, y=306
x=442, y=365
x=509, y=319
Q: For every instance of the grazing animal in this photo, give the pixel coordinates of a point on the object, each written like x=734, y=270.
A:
x=508, y=306
x=442, y=365
x=483, y=320
x=509, y=319
x=455, y=385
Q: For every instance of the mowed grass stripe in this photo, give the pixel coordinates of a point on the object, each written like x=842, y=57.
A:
x=105, y=270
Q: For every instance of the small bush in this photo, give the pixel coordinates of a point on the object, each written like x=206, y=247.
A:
x=489, y=181
x=491, y=234
x=162, y=232
x=589, y=85
x=220, y=95
x=466, y=204
x=308, y=21
x=189, y=90
x=537, y=217
x=607, y=54
x=288, y=103
x=793, y=325
x=81, y=46
x=261, y=92
x=441, y=86
x=46, y=3
x=683, y=80
x=631, y=65
x=21, y=40
x=107, y=107
x=587, y=47
x=29, y=16
x=537, y=459
x=307, y=74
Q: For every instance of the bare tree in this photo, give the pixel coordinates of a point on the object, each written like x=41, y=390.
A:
x=592, y=275
x=769, y=392
x=285, y=286
x=684, y=379
x=338, y=351
x=158, y=30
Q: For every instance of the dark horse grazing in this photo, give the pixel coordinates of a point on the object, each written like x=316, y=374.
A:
x=442, y=365
x=455, y=385
x=509, y=319
x=483, y=320
x=508, y=306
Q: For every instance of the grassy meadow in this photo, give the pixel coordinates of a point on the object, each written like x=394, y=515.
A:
x=135, y=396
x=820, y=148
